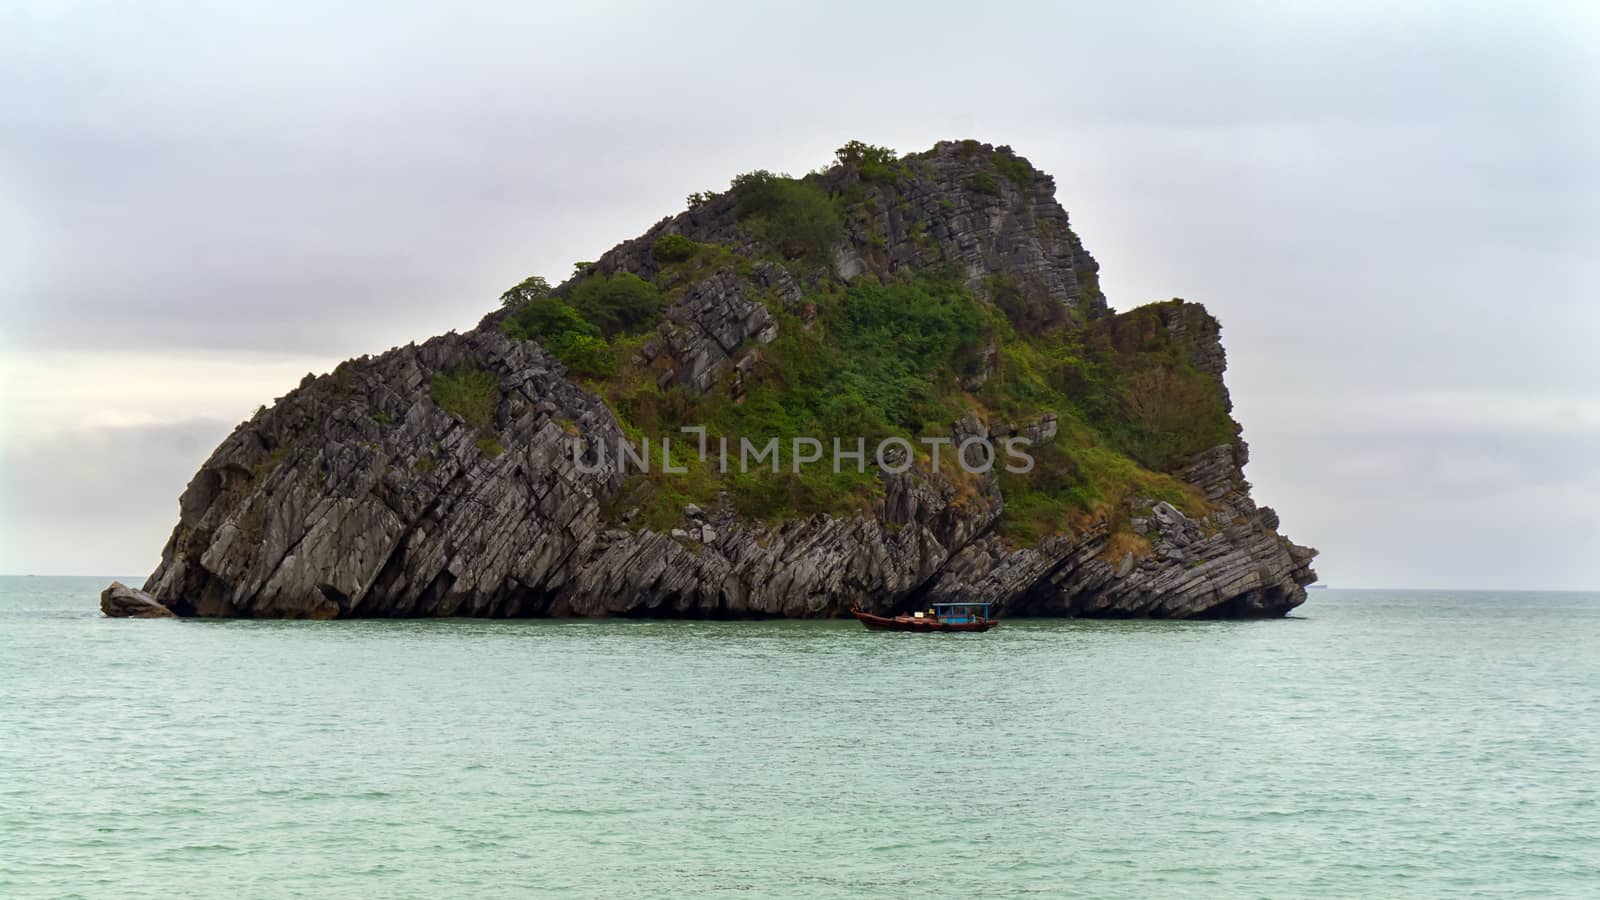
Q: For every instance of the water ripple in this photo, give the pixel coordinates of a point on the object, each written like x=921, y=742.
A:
x=1381, y=744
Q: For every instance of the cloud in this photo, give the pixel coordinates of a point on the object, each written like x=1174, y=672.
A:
x=97, y=500
x=1390, y=209
x=98, y=445
x=1416, y=509
x=49, y=391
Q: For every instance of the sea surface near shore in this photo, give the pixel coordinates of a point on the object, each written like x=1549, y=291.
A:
x=1374, y=744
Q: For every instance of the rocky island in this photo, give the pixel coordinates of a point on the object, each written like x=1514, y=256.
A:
x=929, y=296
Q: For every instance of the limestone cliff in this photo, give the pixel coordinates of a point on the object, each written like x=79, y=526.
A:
x=437, y=480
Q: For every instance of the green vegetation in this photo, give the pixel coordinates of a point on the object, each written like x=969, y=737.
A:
x=585, y=356
x=582, y=329
x=1077, y=479
x=795, y=215
x=1030, y=314
x=1132, y=409
x=674, y=277
x=670, y=248
x=878, y=361
x=901, y=346
x=873, y=163
x=548, y=318
x=888, y=360
x=983, y=183
x=471, y=395
x=570, y=337
x=1147, y=397
x=617, y=304
x=1013, y=167
x=530, y=288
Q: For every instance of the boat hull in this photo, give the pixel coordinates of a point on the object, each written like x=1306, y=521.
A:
x=907, y=623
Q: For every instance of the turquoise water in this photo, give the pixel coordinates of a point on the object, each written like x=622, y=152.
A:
x=1379, y=744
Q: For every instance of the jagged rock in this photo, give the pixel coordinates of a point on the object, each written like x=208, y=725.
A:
x=1044, y=430
x=357, y=495
x=1016, y=238
x=970, y=438
x=122, y=602
x=775, y=278
x=706, y=329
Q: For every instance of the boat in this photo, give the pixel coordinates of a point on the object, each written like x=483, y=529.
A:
x=941, y=617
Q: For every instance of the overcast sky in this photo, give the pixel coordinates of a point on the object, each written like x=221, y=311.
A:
x=1392, y=208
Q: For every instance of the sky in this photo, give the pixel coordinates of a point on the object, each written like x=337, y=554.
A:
x=1392, y=207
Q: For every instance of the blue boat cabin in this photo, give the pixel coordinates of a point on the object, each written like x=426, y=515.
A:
x=961, y=613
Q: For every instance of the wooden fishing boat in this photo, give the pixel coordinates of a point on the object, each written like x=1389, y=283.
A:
x=941, y=617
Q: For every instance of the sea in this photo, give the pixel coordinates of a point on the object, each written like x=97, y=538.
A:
x=1375, y=744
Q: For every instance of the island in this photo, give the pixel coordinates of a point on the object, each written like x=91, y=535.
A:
x=585, y=450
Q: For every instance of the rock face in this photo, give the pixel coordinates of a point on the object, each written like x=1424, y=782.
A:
x=1233, y=563
x=357, y=494
x=122, y=602
x=705, y=330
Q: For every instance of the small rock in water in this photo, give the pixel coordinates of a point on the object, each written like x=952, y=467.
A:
x=122, y=602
